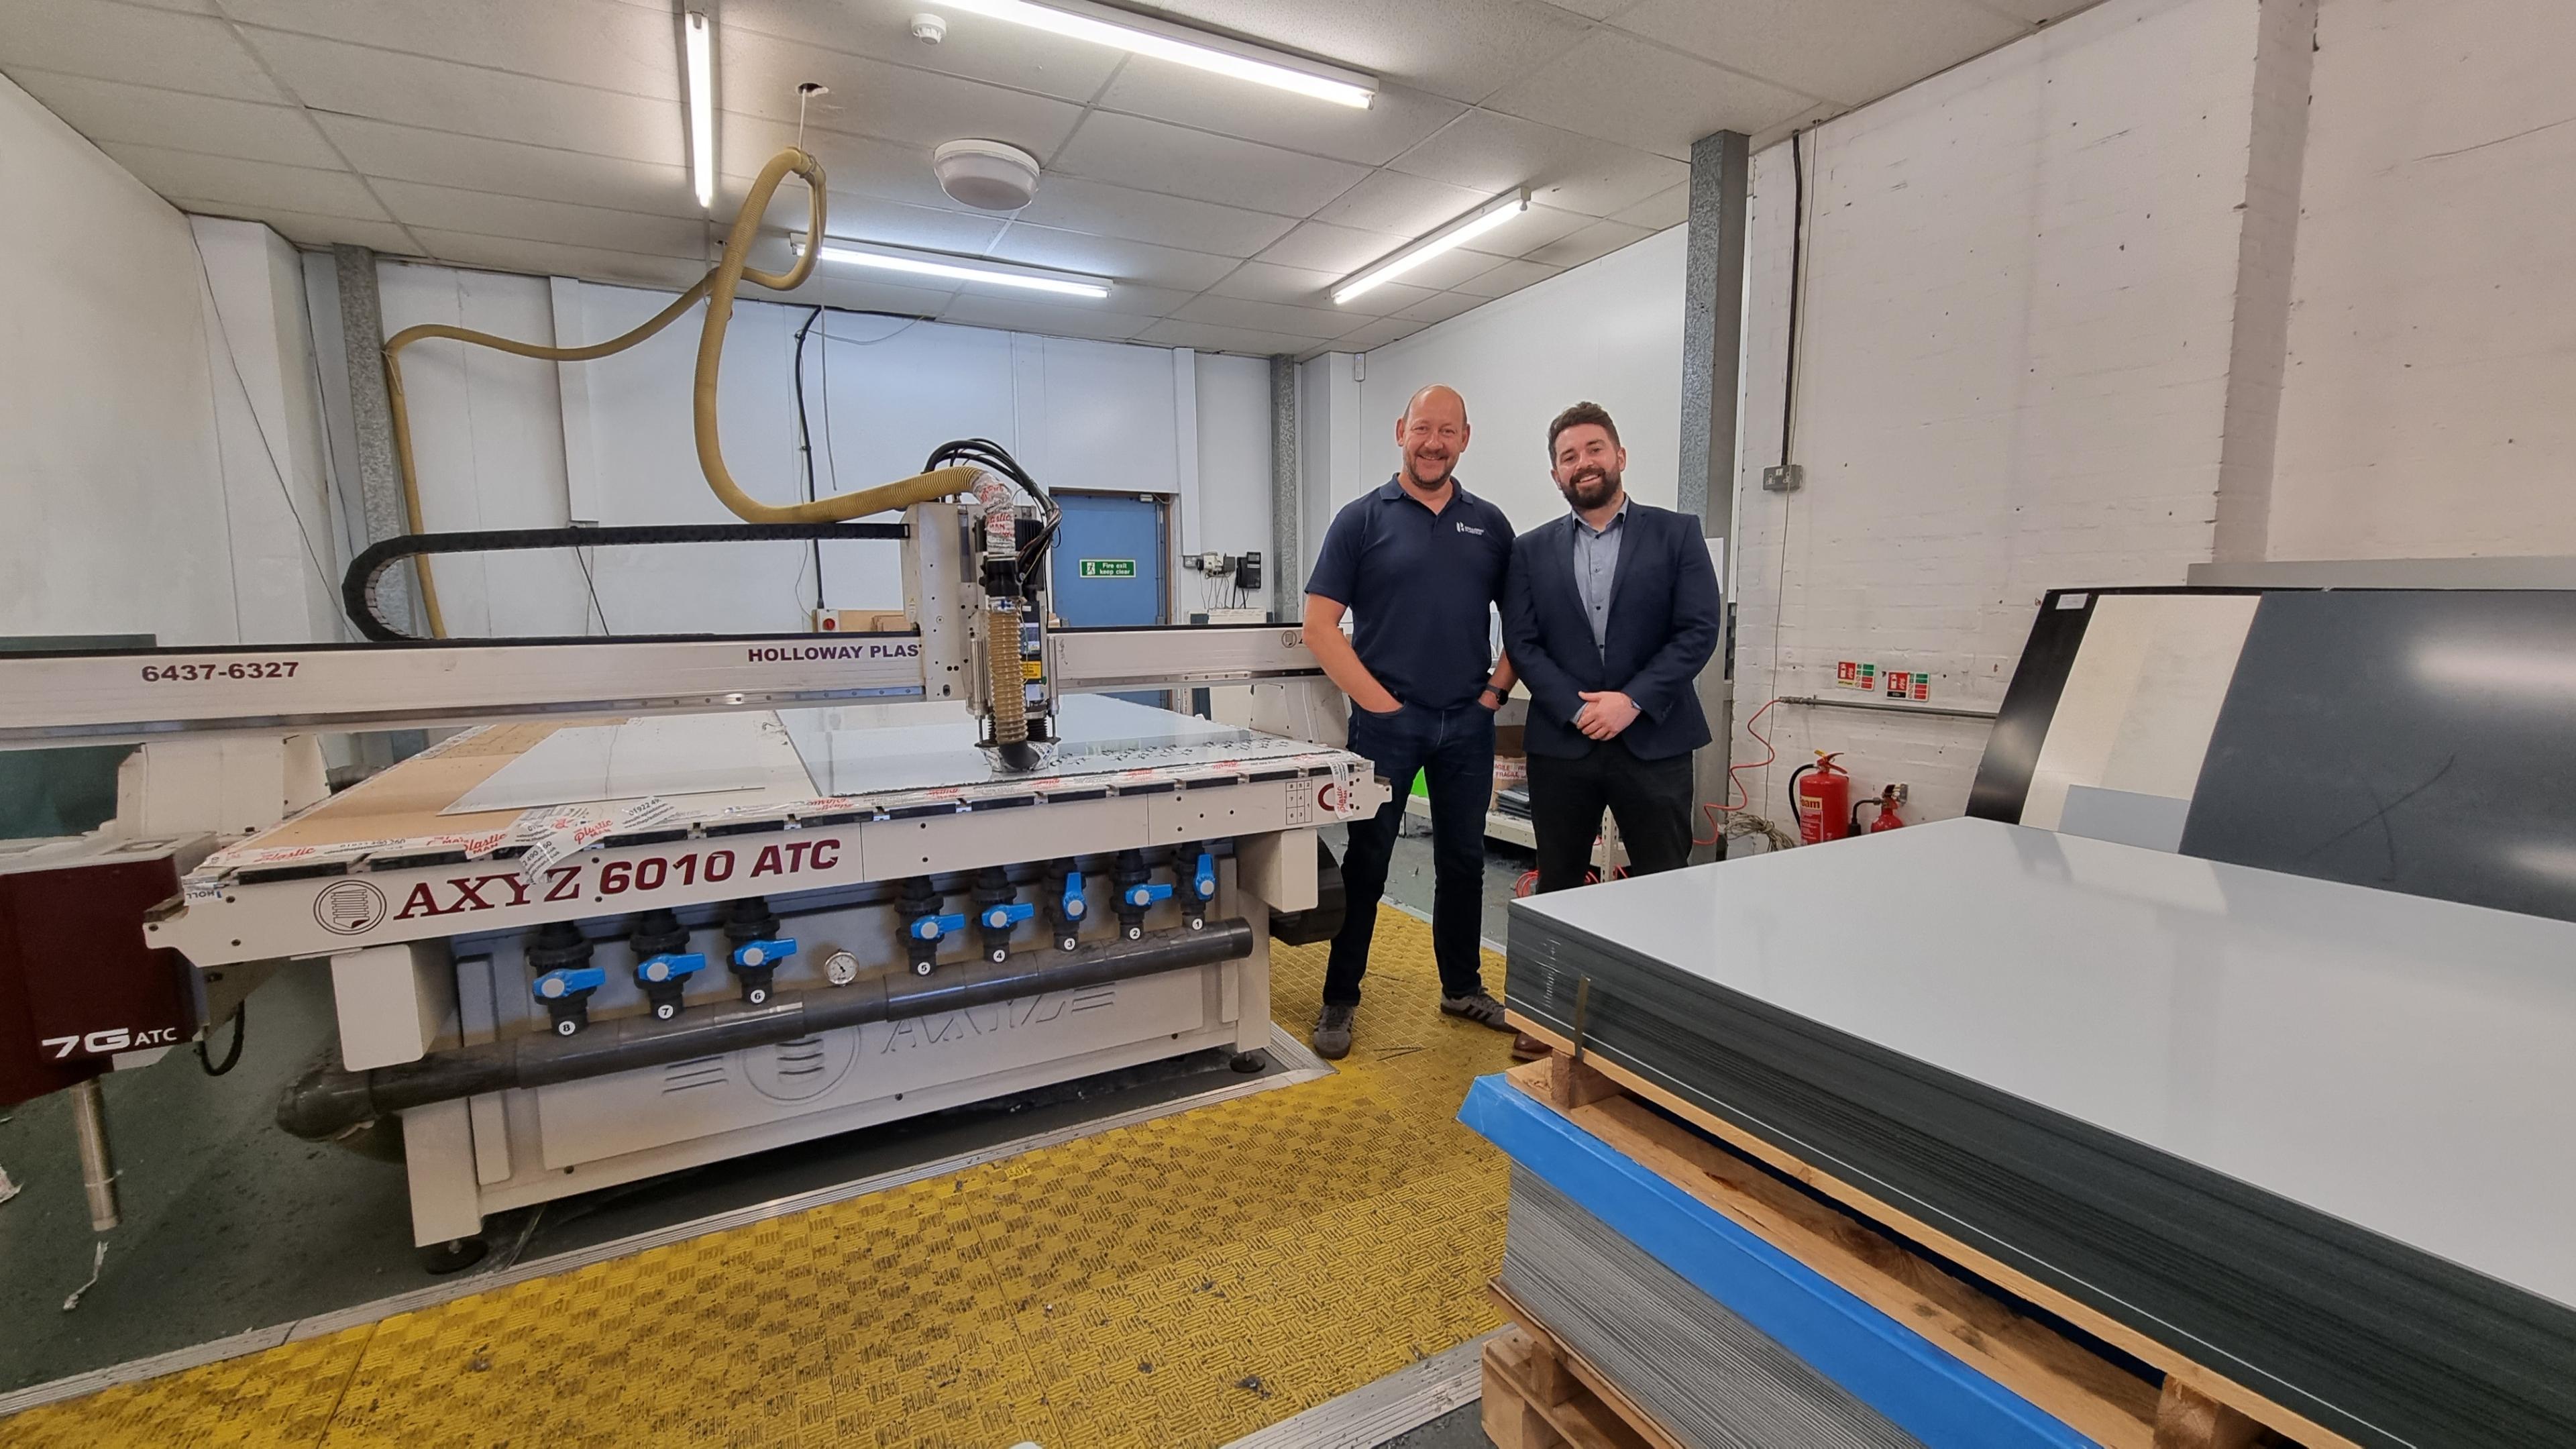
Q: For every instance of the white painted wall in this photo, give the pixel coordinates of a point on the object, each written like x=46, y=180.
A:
x=1609, y=331
x=2430, y=406
x=112, y=503
x=2013, y=373
x=506, y=442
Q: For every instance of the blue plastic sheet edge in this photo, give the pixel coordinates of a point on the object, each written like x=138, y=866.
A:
x=1921, y=1388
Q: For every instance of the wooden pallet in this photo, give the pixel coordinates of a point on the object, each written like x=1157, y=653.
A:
x=1536, y=1399
x=2097, y=1398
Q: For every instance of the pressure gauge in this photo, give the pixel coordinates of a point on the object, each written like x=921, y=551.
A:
x=841, y=969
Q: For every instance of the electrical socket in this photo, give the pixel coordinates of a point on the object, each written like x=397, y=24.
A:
x=1784, y=478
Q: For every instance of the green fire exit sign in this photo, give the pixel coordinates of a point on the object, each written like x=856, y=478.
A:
x=1109, y=568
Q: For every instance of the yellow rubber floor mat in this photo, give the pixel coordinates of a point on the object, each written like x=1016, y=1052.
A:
x=1179, y=1282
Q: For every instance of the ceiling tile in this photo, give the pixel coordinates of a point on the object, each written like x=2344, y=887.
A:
x=1153, y=156
x=1597, y=240
x=1297, y=286
x=554, y=259
x=1209, y=338
x=1002, y=53
x=1272, y=317
x=193, y=53
x=1373, y=137
x=1621, y=89
x=1322, y=247
x=605, y=43
x=440, y=95
x=1440, y=307
x=1508, y=278
x=1073, y=204
x=305, y=229
x=1461, y=49
x=1484, y=151
x=891, y=170
x=1390, y=201
x=113, y=111
x=865, y=218
x=758, y=76
x=978, y=310
x=1040, y=246
x=1845, y=50
x=1663, y=209
x=445, y=208
x=509, y=168
x=1378, y=334
x=248, y=183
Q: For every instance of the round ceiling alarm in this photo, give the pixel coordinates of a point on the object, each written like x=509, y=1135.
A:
x=986, y=175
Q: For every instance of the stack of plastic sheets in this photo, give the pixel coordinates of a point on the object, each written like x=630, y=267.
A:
x=2311, y=1137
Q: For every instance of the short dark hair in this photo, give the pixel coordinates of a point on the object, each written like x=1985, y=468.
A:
x=1575, y=417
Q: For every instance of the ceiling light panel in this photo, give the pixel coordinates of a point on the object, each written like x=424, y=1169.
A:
x=971, y=270
x=1162, y=40
x=698, y=43
x=1458, y=233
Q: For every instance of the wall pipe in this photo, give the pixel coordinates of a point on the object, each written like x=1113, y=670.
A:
x=327, y=1101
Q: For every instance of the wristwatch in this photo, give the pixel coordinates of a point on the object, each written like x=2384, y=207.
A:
x=1500, y=694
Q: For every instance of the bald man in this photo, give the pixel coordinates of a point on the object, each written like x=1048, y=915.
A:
x=1419, y=564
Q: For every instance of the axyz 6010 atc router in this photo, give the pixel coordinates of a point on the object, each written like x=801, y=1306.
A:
x=673, y=900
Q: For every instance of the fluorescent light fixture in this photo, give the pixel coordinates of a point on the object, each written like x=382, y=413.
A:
x=700, y=45
x=958, y=269
x=1456, y=234
x=1142, y=35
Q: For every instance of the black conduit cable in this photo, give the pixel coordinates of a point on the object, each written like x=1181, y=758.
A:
x=1797, y=284
x=805, y=438
x=232, y=1059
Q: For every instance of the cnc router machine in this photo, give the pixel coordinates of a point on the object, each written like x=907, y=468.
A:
x=669, y=901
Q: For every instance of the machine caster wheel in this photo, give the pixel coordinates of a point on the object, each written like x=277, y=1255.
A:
x=1248, y=1062
x=665, y=1011
x=921, y=968
x=453, y=1256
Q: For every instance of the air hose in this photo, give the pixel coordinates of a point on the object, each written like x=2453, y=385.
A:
x=717, y=288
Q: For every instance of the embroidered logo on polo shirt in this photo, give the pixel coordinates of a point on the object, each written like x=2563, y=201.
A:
x=1462, y=528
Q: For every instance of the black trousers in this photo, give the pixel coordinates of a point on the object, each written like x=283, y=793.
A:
x=1651, y=800
x=1454, y=751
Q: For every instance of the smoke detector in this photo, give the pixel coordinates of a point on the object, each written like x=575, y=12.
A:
x=986, y=175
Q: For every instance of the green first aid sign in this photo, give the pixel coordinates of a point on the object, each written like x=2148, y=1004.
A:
x=1109, y=568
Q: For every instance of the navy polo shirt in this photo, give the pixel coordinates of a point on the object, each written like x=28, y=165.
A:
x=1418, y=585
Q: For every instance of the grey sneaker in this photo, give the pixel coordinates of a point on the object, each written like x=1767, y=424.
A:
x=1479, y=1008
x=1333, y=1032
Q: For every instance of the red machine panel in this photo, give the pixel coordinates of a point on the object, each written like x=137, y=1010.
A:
x=77, y=984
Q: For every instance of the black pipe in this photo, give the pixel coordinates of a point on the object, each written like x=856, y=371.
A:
x=327, y=1101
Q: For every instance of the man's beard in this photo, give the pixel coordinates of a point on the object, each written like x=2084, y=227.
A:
x=1414, y=467
x=1591, y=488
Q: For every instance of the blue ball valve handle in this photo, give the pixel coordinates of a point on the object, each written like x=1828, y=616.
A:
x=754, y=963
x=997, y=921
x=924, y=935
x=665, y=977
x=1070, y=908
x=565, y=994
x=1202, y=889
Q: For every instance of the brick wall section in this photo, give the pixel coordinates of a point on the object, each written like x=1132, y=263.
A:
x=2017, y=329
x=2430, y=405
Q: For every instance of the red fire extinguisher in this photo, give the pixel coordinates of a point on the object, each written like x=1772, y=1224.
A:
x=1822, y=793
x=1887, y=801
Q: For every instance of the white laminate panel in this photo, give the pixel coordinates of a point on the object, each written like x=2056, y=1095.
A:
x=2404, y=1063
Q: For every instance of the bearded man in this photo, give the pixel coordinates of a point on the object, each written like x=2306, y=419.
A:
x=1609, y=614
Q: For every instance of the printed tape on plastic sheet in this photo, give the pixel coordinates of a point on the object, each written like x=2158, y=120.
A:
x=1883, y=1363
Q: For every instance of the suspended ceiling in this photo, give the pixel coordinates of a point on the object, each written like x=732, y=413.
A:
x=547, y=136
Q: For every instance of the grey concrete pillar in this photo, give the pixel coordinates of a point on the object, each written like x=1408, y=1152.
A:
x=1287, y=585
x=1712, y=349
x=380, y=495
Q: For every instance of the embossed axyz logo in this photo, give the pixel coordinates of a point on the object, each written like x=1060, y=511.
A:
x=799, y=653
x=349, y=908
x=497, y=889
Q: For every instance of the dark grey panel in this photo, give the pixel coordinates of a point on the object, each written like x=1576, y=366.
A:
x=2411, y=740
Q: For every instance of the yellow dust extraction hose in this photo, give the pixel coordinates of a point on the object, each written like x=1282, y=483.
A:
x=717, y=287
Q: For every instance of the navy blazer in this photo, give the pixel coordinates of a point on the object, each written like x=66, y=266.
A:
x=1663, y=628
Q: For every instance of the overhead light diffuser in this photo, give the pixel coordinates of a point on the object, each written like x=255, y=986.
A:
x=699, y=44
x=1456, y=234
x=1143, y=35
x=958, y=269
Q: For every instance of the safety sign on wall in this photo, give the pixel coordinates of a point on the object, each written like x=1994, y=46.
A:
x=1109, y=568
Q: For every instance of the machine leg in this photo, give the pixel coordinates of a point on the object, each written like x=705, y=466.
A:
x=98, y=1170
x=1247, y=1062
x=453, y=1256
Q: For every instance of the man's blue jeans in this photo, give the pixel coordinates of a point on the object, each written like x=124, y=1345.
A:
x=1454, y=750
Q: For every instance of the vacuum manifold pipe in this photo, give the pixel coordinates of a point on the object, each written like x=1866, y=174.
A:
x=716, y=288
x=326, y=1101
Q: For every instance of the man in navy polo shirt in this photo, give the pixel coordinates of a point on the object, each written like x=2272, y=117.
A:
x=1420, y=564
